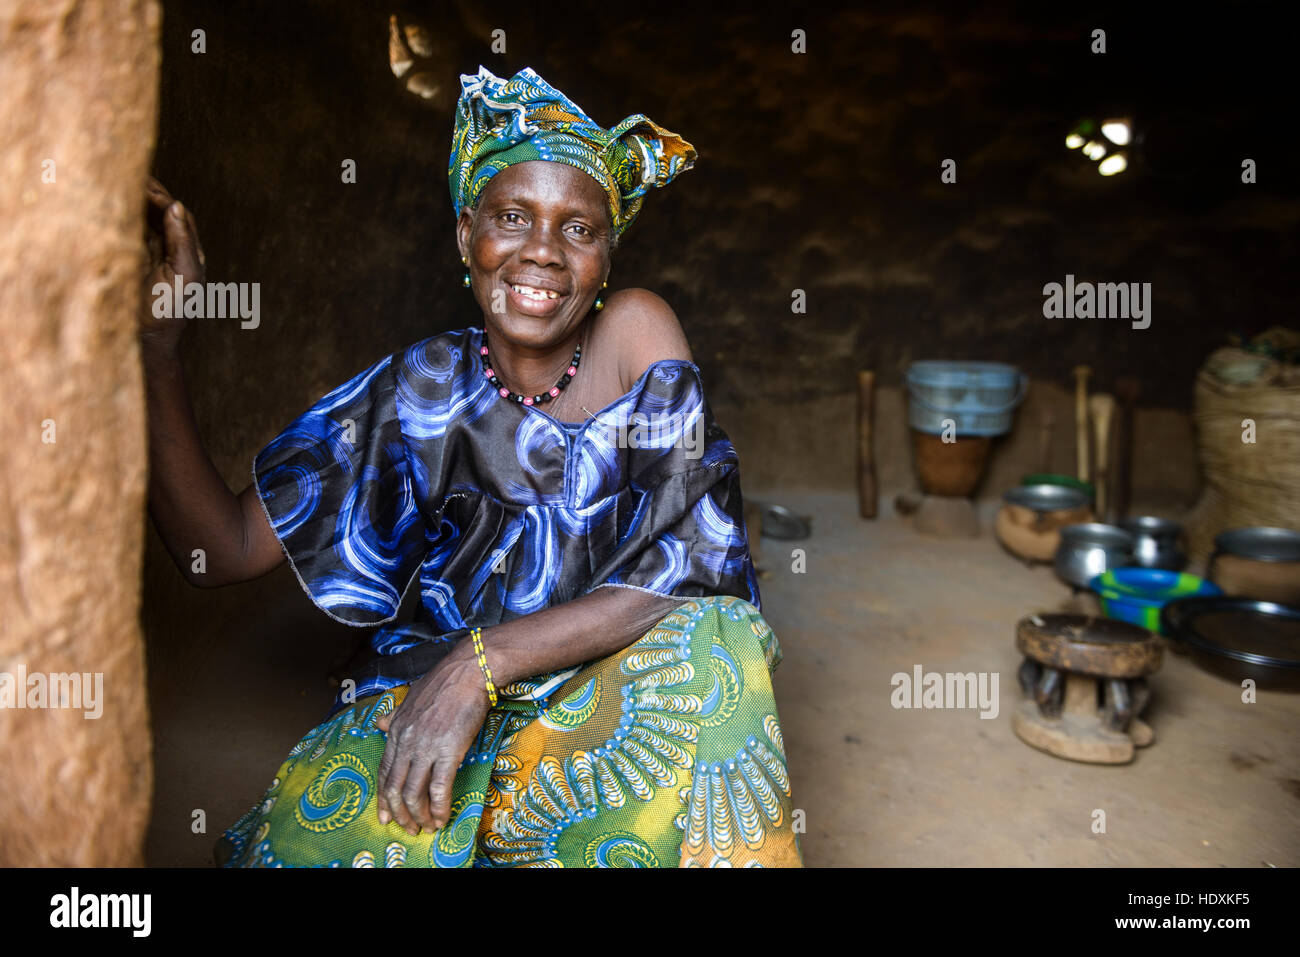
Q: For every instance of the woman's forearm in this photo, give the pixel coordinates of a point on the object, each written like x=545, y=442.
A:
x=593, y=626
x=204, y=525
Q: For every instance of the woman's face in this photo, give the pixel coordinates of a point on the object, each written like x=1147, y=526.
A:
x=538, y=249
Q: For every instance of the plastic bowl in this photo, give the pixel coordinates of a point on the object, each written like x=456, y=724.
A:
x=1136, y=595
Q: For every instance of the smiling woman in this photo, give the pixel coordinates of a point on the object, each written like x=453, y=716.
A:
x=587, y=682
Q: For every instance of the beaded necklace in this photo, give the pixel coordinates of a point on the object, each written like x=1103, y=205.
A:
x=547, y=396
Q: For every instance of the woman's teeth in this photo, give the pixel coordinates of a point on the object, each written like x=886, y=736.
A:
x=532, y=293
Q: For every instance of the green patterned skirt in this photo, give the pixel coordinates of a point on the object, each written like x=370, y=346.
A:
x=667, y=754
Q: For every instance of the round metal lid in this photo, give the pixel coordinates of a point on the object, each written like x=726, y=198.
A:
x=1045, y=498
x=1262, y=544
x=780, y=522
x=1150, y=525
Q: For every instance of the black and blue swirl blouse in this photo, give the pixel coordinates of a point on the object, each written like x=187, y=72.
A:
x=418, y=470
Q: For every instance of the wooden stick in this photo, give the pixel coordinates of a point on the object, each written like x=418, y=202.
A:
x=866, y=459
x=1102, y=408
x=1081, y=374
x=1045, y=422
x=1127, y=389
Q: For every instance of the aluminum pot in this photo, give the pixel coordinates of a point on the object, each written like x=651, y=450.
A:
x=1087, y=551
x=1157, y=542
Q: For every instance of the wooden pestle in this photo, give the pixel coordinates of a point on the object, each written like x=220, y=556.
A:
x=1102, y=409
x=1081, y=374
x=866, y=460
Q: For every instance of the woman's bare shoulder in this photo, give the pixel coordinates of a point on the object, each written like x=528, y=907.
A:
x=642, y=329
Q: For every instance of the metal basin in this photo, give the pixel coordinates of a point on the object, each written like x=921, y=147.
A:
x=1239, y=638
x=1046, y=498
x=1157, y=542
x=1087, y=551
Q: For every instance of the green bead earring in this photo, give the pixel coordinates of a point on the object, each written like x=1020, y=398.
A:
x=465, y=281
x=600, y=298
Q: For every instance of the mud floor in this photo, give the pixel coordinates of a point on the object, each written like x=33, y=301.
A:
x=878, y=785
x=897, y=787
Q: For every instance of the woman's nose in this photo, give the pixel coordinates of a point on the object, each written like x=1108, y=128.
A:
x=542, y=245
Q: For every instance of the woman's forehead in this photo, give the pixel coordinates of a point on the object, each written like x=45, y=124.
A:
x=545, y=183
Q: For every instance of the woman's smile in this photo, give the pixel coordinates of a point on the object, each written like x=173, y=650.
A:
x=534, y=297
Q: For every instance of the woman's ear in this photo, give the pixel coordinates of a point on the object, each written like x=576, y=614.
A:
x=464, y=230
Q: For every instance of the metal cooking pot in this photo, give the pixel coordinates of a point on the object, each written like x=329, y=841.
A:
x=1087, y=551
x=1157, y=542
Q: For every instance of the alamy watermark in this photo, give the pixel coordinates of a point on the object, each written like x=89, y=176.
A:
x=683, y=430
x=953, y=690
x=127, y=911
x=1103, y=300
x=75, y=690
x=211, y=300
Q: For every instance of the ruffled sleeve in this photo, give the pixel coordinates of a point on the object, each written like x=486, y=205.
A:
x=337, y=489
x=683, y=534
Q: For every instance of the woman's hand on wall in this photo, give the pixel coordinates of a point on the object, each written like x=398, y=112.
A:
x=174, y=250
x=192, y=507
x=428, y=737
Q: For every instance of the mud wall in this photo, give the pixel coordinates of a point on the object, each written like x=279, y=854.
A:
x=78, y=99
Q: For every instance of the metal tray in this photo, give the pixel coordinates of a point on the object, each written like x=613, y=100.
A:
x=1238, y=638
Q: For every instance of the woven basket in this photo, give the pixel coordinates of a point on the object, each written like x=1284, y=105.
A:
x=1245, y=484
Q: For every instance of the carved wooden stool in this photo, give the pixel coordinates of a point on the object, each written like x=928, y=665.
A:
x=1084, y=680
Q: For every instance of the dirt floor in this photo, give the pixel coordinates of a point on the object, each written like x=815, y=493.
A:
x=883, y=786
x=879, y=786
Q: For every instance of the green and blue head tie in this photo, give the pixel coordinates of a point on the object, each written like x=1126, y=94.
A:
x=503, y=122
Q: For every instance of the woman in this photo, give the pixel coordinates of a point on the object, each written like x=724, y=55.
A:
x=588, y=679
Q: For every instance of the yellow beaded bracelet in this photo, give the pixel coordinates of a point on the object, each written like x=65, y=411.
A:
x=476, y=636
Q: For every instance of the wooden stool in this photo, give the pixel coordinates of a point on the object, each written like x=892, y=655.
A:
x=1084, y=680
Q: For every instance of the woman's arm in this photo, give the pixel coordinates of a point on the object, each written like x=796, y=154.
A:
x=585, y=629
x=192, y=507
x=433, y=728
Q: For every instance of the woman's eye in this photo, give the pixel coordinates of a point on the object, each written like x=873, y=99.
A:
x=510, y=218
x=582, y=230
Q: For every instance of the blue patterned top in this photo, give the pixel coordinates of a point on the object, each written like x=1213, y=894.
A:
x=418, y=470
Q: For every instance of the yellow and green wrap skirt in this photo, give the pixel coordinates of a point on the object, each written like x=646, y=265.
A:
x=667, y=754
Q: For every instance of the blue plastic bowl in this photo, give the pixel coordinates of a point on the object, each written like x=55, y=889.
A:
x=1136, y=595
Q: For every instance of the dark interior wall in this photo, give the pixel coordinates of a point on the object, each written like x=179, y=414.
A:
x=818, y=172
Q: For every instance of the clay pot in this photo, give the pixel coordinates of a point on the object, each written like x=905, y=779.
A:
x=1266, y=581
x=1035, y=536
x=950, y=469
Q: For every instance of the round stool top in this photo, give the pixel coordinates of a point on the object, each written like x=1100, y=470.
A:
x=1088, y=645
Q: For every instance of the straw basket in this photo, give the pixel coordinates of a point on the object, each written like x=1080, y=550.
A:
x=1245, y=484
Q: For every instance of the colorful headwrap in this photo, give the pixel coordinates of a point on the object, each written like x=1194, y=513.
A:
x=503, y=122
